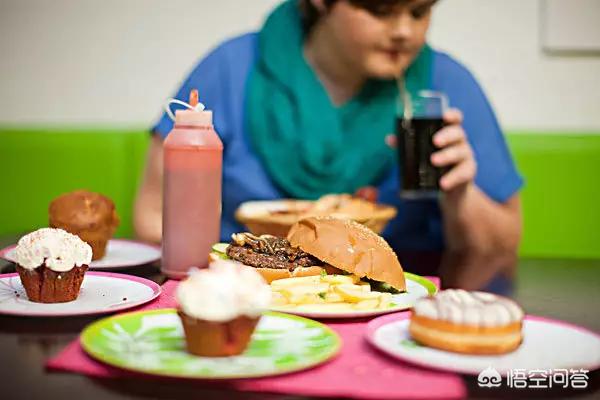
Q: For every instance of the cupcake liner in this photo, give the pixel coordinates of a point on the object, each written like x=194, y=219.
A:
x=44, y=285
x=217, y=339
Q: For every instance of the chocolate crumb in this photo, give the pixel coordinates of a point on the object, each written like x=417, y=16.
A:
x=124, y=298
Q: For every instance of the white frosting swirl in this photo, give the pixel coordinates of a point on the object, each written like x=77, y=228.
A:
x=470, y=308
x=223, y=292
x=59, y=250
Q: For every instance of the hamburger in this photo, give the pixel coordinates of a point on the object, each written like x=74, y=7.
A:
x=318, y=246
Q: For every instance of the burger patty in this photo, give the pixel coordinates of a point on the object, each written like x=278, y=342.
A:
x=271, y=252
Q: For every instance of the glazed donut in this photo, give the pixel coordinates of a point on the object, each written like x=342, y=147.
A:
x=467, y=322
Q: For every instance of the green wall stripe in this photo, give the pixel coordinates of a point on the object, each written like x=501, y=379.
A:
x=561, y=198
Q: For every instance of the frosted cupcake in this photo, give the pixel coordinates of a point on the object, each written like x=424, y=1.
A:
x=51, y=264
x=220, y=307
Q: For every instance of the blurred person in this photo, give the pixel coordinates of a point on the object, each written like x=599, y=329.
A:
x=305, y=107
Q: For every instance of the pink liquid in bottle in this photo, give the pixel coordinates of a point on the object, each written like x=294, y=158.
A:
x=191, y=191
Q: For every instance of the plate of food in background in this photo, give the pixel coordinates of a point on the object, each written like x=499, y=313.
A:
x=93, y=217
x=328, y=268
x=276, y=217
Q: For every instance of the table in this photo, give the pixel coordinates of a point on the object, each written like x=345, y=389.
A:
x=564, y=289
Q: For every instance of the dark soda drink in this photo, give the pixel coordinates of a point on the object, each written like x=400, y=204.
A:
x=420, y=179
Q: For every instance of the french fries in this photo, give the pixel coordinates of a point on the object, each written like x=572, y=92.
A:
x=327, y=293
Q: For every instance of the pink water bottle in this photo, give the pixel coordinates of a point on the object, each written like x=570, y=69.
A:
x=192, y=189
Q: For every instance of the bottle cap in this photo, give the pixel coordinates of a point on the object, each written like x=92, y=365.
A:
x=193, y=114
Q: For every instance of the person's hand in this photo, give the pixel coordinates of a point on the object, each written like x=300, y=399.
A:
x=455, y=153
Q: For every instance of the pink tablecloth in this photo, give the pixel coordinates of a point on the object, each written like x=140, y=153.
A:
x=359, y=371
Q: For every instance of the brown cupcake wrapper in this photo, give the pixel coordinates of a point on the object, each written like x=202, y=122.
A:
x=217, y=339
x=44, y=285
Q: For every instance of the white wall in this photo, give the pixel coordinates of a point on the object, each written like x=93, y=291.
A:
x=499, y=41
x=115, y=61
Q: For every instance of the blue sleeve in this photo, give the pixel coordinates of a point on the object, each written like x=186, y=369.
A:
x=208, y=77
x=497, y=175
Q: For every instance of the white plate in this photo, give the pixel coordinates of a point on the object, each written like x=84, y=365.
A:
x=416, y=287
x=120, y=253
x=101, y=292
x=547, y=344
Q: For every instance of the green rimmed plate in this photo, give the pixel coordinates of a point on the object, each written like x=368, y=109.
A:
x=416, y=287
x=152, y=342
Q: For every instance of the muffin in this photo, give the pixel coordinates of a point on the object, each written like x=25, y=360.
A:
x=51, y=264
x=220, y=307
x=467, y=322
x=91, y=216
